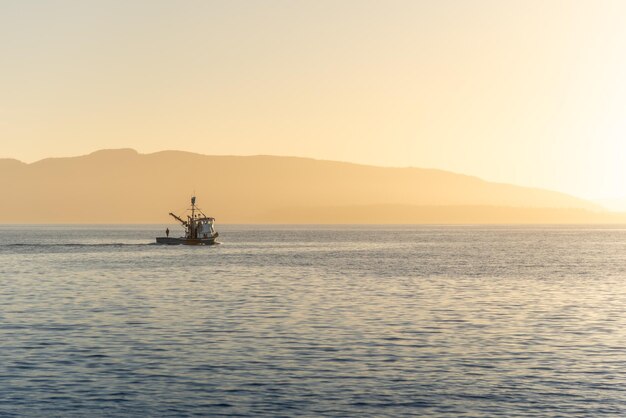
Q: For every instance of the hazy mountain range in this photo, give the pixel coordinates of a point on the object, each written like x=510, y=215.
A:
x=123, y=186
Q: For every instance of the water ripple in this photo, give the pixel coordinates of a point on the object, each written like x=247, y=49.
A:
x=306, y=321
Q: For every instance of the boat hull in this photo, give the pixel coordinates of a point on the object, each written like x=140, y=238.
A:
x=186, y=241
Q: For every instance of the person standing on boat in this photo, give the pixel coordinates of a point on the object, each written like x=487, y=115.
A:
x=167, y=232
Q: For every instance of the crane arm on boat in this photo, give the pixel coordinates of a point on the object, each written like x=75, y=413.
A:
x=185, y=223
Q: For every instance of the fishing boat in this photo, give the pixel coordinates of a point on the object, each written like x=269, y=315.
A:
x=199, y=229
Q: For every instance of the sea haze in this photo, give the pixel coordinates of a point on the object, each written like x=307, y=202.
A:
x=313, y=321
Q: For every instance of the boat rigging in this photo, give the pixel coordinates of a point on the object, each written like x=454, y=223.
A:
x=199, y=228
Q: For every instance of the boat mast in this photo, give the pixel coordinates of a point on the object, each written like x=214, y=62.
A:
x=193, y=217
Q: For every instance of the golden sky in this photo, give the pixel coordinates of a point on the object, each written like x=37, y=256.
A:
x=524, y=92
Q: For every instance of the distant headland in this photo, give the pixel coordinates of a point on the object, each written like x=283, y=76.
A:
x=123, y=186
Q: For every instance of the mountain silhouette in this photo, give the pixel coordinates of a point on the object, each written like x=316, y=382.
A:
x=123, y=186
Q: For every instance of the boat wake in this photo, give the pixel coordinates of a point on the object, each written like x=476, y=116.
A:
x=107, y=244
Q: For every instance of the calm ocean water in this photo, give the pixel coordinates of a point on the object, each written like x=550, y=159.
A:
x=313, y=321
